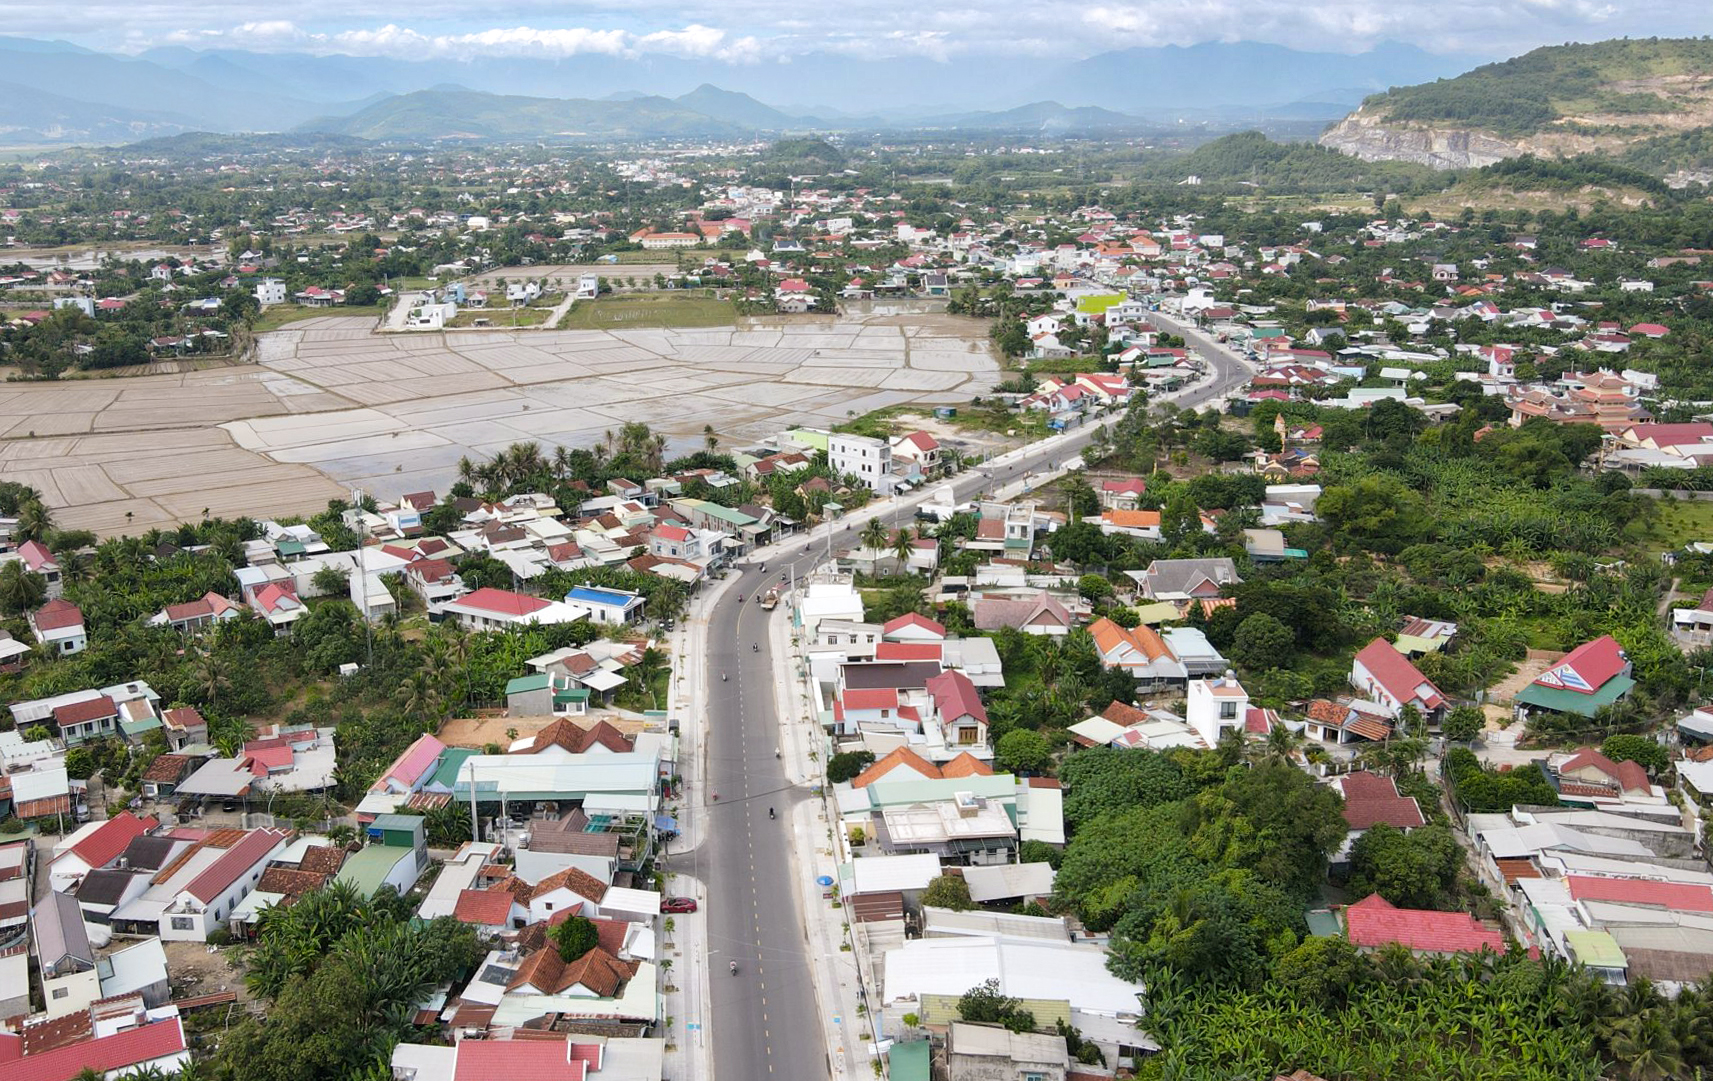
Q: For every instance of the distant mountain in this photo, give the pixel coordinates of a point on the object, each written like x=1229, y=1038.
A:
x=1611, y=97
x=32, y=117
x=1153, y=81
x=441, y=115
x=1048, y=117
x=738, y=109
x=198, y=144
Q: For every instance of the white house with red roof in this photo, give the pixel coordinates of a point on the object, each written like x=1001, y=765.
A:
x=489, y=609
x=1590, y=777
x=120, y=1038
x=94, y=846
x=205, y=902
x=1388, y=679
x=1585, y=680
x=959, y=718
x=38, y=560
x=278, y=603
x=411, y=770
x=1372, y=800
x=912, y=627
x=1213, y=707
x=916, y=455
x=563, y=1059
x=58, y=625
x=191, y=616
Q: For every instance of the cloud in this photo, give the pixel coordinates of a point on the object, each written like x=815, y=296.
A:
x=694, y=41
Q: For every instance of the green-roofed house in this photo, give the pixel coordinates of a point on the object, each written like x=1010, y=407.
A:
x=909, y=1061
x=1588, y=678
x=1600, y=952
x=809, y=438
x=937, y=1012
x=395, y=856
x=546, y=694
x=1098, y=303
x=446, y=773
x=746, y=529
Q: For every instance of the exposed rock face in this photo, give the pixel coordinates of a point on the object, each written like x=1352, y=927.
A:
x=1370, y=138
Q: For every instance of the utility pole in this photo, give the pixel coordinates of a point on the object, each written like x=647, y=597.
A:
x=363, y=573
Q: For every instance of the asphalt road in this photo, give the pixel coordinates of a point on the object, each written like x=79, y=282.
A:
x=765, y=1020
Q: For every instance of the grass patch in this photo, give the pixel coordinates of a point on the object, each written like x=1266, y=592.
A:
x=648, y=257
x=879, y=423
x=1682, y=521
x=500, y=318
x=282, y=314
x=649, y=310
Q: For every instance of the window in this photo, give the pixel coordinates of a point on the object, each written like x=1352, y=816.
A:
x=1228, y=711
x=183, y=923
x=61, y=992
x=547, y=906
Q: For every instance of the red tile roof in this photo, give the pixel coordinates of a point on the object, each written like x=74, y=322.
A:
x=1681, y=896
x=875, y=698
x=93, y=709
x=580, y=882
x=502, y=602
x=898, y=756
x=57, y=615
x=517, y=1060
x=1631, y=775
x=1375, y=921
x=484, y=908
x=1371, y=800
x=105, y=1054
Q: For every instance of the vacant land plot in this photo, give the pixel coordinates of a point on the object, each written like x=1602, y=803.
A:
x=500, y=317
x=331, y=405
x=648, y=310
x=1682, y=521
x=280, y=315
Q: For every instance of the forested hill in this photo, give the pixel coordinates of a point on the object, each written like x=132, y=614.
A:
x=1561, y=100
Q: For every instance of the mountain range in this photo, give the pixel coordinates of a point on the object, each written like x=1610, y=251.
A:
x=88, y=96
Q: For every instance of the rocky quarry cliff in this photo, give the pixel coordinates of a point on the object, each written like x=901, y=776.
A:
x=1372, y=138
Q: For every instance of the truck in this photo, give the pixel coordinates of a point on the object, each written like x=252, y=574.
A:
x=771, y=600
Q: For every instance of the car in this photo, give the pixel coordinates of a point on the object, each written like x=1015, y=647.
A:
x=229, y=805
x=678, y=904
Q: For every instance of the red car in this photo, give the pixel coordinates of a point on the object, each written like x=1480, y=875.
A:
x=678, y=904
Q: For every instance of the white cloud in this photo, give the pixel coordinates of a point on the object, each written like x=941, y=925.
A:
x=702, y=42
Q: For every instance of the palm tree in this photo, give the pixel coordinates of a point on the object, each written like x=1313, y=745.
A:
x=1281, y=743
x=417, y=697
x=648, y=668
x=34, y=521
x=874, y=535
x=20, y=588
x=709, y=439
x=212, y=676
x=901, y=550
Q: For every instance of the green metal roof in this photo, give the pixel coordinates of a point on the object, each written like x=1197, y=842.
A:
x=446, y=774
x=367, y=870
x=909, y=1061
x=1323, y=923
x=137, y=728
x=1597, y=949
x=1559, y=700
x=538, y=681
x=575, y=694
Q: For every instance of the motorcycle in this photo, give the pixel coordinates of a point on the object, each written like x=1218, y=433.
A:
x=722, y=677
x=734, y=968
x=770, y=813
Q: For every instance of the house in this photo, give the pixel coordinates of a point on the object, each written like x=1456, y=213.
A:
x=1418, y=636
x=278, y=603
x=912, y=627
x=496, y=609
x=554, y=1058
x=192, y=616
x=1375, y=923
x=1214, y=707
x=1184, y=580
x=1588, y=775
x=94, y=846
x=916, y=454
x=865, y=458
x=395, y=856
x=118, y=1039
x=1372, y=800
x=58, y=625
x=206, y=901
x=1588, y=678
x=545, y=694
x=994, y=1053
x=1041, y=614
x=1139, y=651
x=603, y=604
x=407, y=774
x=435, y=581
x=958, y=711
x=183, y=726
x=1389, y=680
x=38, y=560
x=1141, y=524
x=1122, y=494
x=1340, y=723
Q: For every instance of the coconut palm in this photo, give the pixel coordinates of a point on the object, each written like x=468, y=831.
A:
x=417, y=696
x=901, y=550
x=212, y=675
x=709, y=439
x=20, y=589
x=874, y=535
x=35, y=521
x=1280, y=745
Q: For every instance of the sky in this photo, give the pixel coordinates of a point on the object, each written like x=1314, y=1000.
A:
x=772, y=31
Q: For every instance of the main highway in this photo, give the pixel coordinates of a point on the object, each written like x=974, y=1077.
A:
x=765, y=1021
